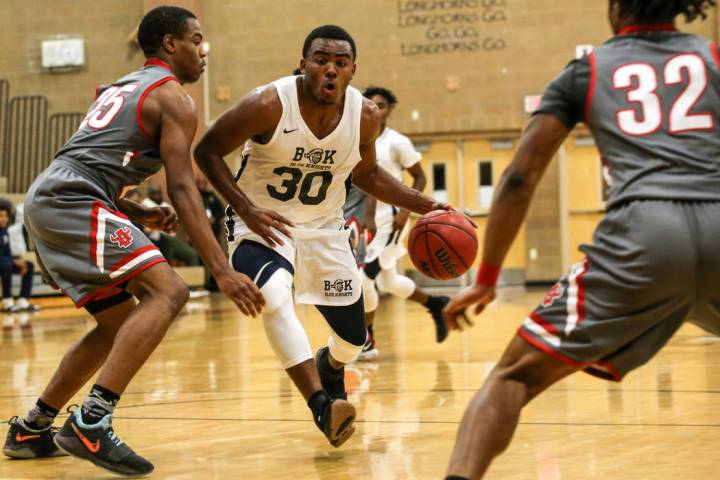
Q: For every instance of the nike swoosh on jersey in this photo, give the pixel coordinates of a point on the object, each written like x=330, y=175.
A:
x=22, y=438
x=92, y=447
x=285, y=130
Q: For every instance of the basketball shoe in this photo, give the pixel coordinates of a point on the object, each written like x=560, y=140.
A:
x=369, y=351
x=435, y=305
x=98, y=444
x=336, y=420
x=333, y=381
x=25, y=442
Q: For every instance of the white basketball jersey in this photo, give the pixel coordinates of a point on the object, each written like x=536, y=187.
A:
x=395, y=152
x=295, y=173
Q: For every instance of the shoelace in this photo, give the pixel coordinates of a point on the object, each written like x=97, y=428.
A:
x=12, y=420
x=114, y=438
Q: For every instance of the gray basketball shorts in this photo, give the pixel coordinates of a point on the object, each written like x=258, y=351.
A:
x=651, y=263
x=84, y=244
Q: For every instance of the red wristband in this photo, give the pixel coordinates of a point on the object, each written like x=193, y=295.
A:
x=487, y=275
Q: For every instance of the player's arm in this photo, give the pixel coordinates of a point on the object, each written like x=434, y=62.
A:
x=256, y=115
x=178, y=121
x=419, y=182
x=377, y=182
x=538, y=144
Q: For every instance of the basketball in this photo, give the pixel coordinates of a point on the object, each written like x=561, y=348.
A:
x=443, y=244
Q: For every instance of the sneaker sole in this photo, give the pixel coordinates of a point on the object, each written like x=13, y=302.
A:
x=72, y=446
x=341, y=422
x=27, y=454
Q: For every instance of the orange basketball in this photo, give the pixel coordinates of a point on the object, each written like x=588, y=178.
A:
x=443, y=244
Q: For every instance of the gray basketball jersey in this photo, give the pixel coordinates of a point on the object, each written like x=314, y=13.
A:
x=651, y=97
x=111, y=147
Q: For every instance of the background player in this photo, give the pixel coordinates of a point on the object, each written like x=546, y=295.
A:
x=650, y=97
x=135, y=126
x=388, y=227
x=304, y=136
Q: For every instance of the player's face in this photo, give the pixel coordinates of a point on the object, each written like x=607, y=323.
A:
x=384, y=107
x=190, y=53
x=329, y=66
x=4, y=219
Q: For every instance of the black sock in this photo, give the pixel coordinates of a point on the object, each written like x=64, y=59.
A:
x=317, y=404
x=429, y=303
x=455, y=477
x=98, y=404
x=41, y=416
x=325, y=367
x=370, y=329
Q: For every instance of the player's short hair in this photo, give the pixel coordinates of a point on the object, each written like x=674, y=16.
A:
x=332, y=32
x=383, y=92
x=161, y=21
x=6, y=206
x=660, y=11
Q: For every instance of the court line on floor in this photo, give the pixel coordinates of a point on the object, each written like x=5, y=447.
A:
x=424, y=422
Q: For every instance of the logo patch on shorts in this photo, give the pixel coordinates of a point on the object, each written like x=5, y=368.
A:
x=122, y=237
x=555, y=292
x=338, y=288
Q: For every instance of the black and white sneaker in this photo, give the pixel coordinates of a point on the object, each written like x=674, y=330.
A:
x=25, y=442
x=336, y=421
x=333, y=381
x=435, y=305
x=98, y=444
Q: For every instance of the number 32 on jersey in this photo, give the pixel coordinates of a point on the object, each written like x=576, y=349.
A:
x=641, y=82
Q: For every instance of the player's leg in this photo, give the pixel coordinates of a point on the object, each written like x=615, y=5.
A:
x=389, y=280
x=492, y=415
x=347, y=338
x=371, y=300
x=273, y=275
x=32, y=436
x=88, y=432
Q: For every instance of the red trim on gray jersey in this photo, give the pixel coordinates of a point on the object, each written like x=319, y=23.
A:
x=715, y=54
x=156, y=62
x=649, y=27
x=138, y=115
x=591, y=87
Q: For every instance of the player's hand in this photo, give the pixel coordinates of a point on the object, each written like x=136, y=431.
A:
x=21, y=265
x=161, y=218
x=240, y=289
x=262, y=222
x=478, y=295
x=369, y=225
x=400, y=219
x=441, y=206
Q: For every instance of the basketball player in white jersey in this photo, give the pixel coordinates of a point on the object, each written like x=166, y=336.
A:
x=388, y=227
x=305, y=137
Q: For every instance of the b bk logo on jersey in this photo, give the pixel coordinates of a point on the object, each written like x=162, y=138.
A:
x=315, y=156
x=338, y=288
x=122, y=237
x=555, y=292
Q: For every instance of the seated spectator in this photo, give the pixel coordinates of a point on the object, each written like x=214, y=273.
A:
x=12, y=246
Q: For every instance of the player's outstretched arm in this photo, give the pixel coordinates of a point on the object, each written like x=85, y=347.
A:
x=541, y=139
x=376, y=181
x=256, y=116
x=178, y=122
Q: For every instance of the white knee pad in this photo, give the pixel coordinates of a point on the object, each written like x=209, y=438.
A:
x=283, y=329
x=399, y=285
x=341, y=350
x=370, y=294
